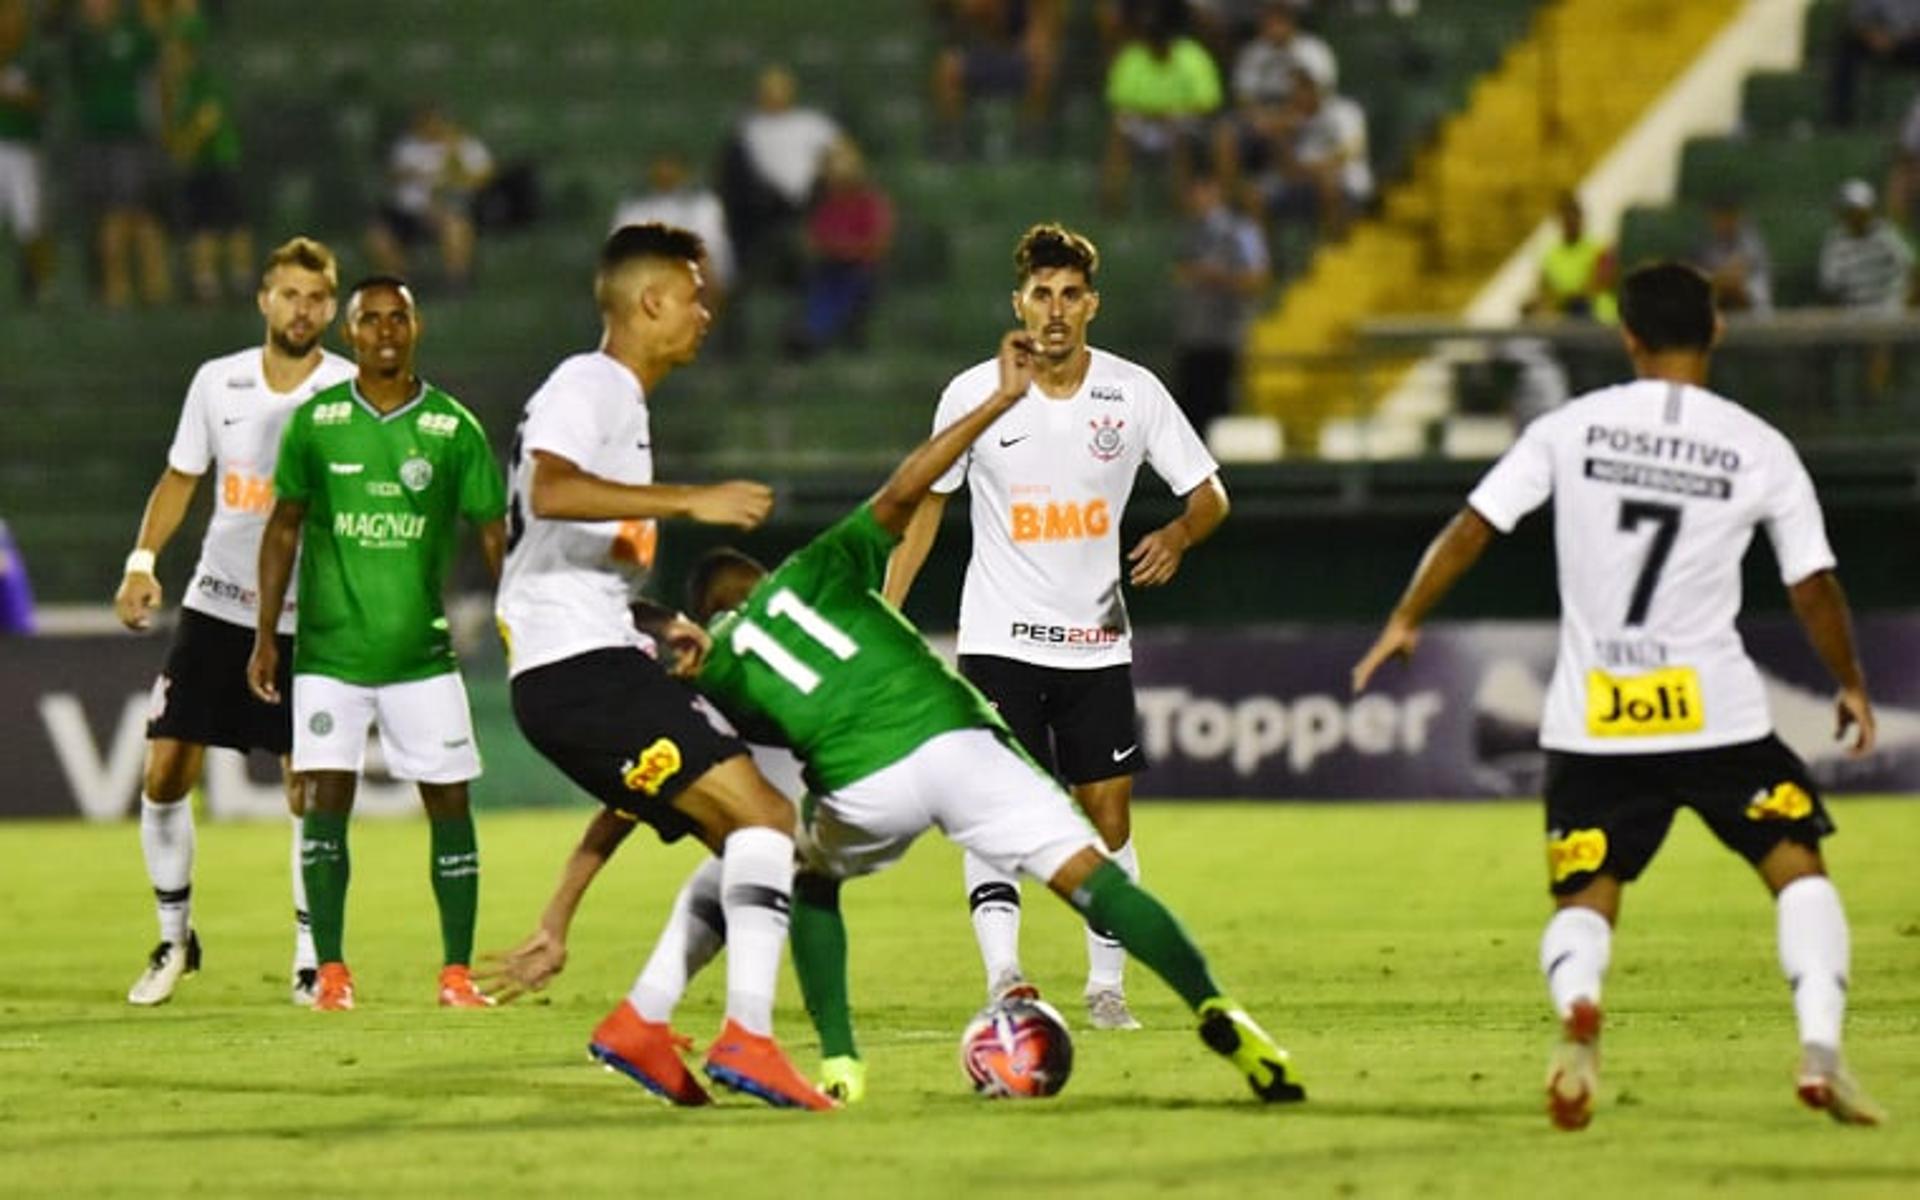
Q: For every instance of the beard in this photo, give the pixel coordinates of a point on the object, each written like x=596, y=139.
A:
x=285, y=343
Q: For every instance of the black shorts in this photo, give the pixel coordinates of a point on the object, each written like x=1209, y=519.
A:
x=1608, y=813
x=622, y=728
x=202, y=696
x=1079, y=724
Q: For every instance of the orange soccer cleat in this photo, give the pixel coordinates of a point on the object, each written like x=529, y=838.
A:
x=1573, y=1074
x=647, y=1052
x=750, y=1063
x=457, y=989
x=335, y=990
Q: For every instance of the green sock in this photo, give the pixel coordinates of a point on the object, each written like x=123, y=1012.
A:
x=456, y=885
x=325, y=867
x=818, y=935
x=1111, y=901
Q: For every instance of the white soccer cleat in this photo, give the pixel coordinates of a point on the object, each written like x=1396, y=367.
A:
x=1573, y=1073
x=167, y=965
x=1825, y=1084
x=1010, y=984
x=306, y=981
x=1107, y=1009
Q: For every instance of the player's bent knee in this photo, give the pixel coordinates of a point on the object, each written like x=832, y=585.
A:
x=1075, y=872
x=172, y=767
x=1788, y=861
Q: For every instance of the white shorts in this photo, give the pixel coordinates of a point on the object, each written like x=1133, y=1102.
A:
x=426, y=730
x=969, y=785
x=21, y=192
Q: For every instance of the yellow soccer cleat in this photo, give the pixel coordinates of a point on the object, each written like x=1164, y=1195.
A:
x=1229, y=1032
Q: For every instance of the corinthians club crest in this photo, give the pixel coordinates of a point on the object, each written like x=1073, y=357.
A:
x=1107, y=443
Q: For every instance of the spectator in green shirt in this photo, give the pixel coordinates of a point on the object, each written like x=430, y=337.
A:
x=1162, y=87
x=115, y=164
x=204, y=140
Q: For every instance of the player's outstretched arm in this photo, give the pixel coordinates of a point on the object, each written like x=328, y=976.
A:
x=529, y=966
x=1156, y=557
x=139, y=593
x=913, y=479
x=903, y=565
x=278, y=546
x=1821, y=605
x=1449, y=556
x=563, y=491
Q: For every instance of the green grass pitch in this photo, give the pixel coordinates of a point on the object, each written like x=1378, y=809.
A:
x=1390, y=947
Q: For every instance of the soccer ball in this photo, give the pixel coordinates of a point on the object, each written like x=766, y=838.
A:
x=1017, y=1049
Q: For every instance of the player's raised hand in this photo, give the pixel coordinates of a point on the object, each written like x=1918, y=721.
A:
x=507, y=975
x=1854, y=711
x=262, y=668
x=138, y=597
x=1016, y=363
x=1398, y=640
x=741, y=503
x=1157, y=556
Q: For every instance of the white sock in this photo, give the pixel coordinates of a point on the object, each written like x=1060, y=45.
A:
x=756, y=894
x=1106, y=957
x=1574, y=950
x=695, y=931
x=166, y=840
x=1815, y=954
x=303, y=955
x=994, y=898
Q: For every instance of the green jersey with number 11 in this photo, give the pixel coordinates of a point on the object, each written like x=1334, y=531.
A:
x=817, y=660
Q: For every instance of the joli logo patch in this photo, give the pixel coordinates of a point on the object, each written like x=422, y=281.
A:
x=1575, y=853
x=1786, y=802
x=1659, y=702
x=648, y=771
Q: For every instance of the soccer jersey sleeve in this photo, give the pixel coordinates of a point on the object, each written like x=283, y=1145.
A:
x=483, y=493
x=1519, y=483
x=291, y=479
x=1793, y=520
x=1174, y=449
x=858, y=547
x=566, y=418
x=192, y=450
x=946, y=414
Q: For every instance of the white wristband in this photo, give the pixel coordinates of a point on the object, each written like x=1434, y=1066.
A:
x=140, y=562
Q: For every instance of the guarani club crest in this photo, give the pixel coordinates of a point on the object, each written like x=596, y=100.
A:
x=416, y=473
x=1107, y=444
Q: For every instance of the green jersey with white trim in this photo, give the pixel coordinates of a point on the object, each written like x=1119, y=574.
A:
x=383, y=494
x=815, y=660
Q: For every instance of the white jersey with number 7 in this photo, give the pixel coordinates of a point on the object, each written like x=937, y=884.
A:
x=1657, y=488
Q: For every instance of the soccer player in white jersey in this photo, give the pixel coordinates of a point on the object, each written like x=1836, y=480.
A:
x=235, y=409
x=1043, y=622
x=1654, y=705
x=587, y=689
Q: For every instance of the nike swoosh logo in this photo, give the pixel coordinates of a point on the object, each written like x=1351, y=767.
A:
x=643, y=445
x=1005, y=442
x=1122, y=755
x=231, y=420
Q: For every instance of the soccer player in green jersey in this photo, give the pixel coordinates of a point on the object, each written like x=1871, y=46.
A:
x=372, y=478
x=812, y=657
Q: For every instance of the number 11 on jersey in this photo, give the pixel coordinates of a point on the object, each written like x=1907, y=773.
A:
x=751, y=639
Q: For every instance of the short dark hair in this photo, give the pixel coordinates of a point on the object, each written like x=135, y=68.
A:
x=705, y=583
x=637, y=243
x=1051, y=245
x=650, y=239
x=370, y=282
x=1668, y=305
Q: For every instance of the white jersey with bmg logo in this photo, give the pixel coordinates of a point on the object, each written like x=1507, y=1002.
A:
x=232, y=420
x=567, y=585
x=1657, y=489
x=1050, y=480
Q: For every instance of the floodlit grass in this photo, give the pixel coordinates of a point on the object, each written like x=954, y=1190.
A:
x=1391, y=947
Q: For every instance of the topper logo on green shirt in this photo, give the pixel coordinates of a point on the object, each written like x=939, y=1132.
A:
x=416, y=473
